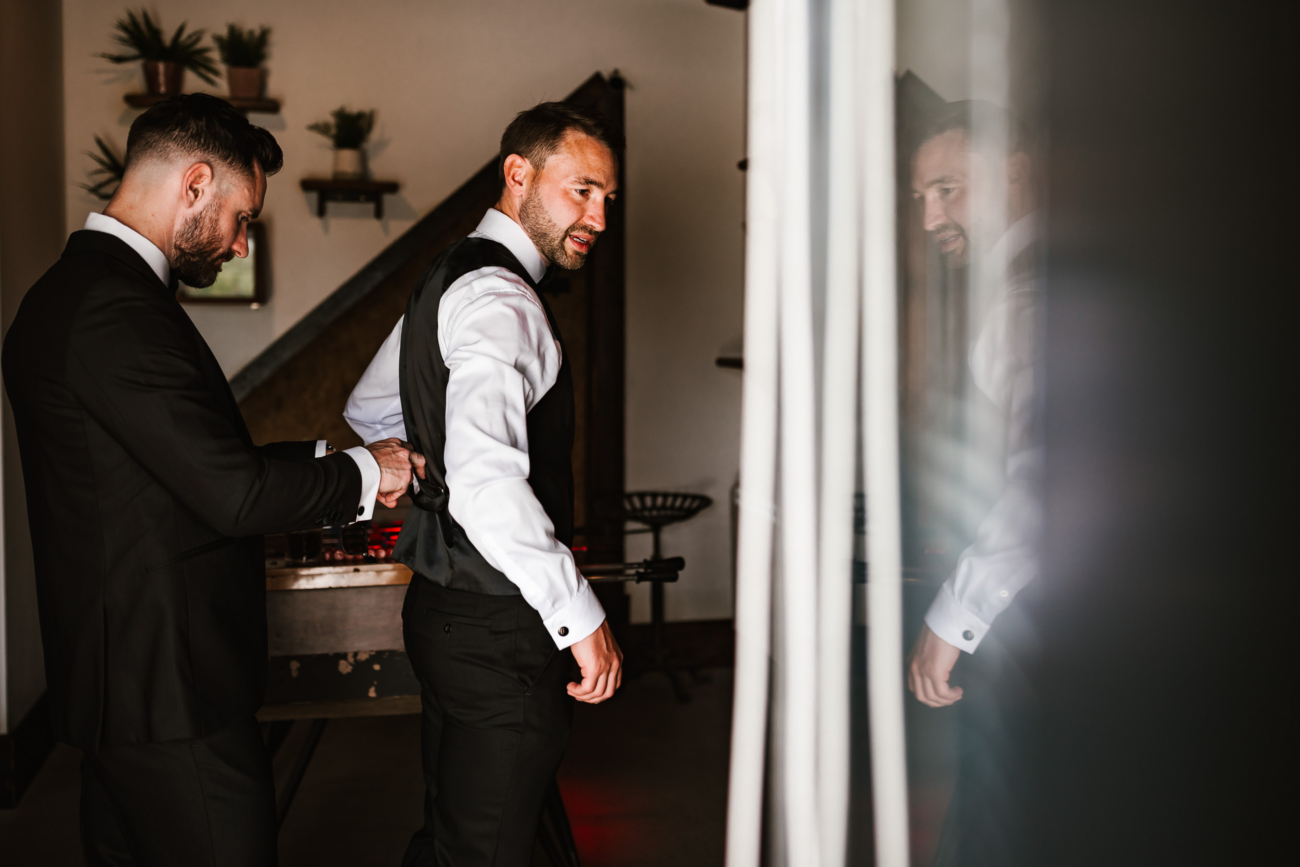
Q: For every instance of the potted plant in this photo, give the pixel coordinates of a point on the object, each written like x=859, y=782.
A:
x=347, y=132
x=110, y=165
x=243, y=52
x=165, y=61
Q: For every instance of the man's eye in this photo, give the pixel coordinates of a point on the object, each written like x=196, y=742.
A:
x=582, y=192
x=948, y=191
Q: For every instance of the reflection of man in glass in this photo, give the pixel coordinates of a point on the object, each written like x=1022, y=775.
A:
x=973, y=175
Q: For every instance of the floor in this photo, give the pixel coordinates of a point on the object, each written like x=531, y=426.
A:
x=645, y=782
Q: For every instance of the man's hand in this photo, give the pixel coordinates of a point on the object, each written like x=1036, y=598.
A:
x=417, y=460
x=601, y=663
x=394, y=461
x=928, y=668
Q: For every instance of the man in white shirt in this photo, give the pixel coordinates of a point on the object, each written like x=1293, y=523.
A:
x=474, y=376
x=973, y=175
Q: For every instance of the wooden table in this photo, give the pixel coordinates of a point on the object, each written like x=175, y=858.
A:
x=336, y=642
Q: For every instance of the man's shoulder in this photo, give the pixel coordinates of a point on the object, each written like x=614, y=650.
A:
x=86, y=272
x=474, y=253
x=476, y=266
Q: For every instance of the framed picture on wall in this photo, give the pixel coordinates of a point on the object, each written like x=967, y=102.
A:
x=241, y=281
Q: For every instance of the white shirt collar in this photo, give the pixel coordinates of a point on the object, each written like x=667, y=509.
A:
x=1022, y=233
x=152, y=256
x=500, y=228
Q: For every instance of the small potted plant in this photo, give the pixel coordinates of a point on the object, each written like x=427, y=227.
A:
x=243, y=52
x=347, y=132
x=165, y=61
x=108, y=164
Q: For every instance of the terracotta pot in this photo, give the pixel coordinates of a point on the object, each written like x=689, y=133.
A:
x=246, y=82
x=163, y=77
x=348, y=164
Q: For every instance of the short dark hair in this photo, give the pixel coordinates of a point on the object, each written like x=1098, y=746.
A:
x=535, y=134
x=205, y=127
x=984, y=123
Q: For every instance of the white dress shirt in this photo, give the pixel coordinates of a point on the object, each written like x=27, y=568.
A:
x=1004, y=556
x=157, y=261
x=494, y=337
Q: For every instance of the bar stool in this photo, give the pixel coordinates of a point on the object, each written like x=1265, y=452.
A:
x=658, y=509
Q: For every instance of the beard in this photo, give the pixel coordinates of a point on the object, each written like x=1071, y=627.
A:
x=958, y=258
x=197, y=254
x=548, y=237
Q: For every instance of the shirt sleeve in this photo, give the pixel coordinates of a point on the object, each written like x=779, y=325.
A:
x=374, y=409
x=503, y=358
x=1004, y=556
x=1003, y=559
x=370, y=479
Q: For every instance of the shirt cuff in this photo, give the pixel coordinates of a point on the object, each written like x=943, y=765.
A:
x=576, y=620
x=369, y=481
x=954, y=624
x=321, y=446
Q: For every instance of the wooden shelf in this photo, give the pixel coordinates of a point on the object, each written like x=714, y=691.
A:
x=333, y=190
x=264, y=106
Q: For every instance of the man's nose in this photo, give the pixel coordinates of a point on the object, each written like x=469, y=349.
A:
x=595, y=216
x=240, y=247
x=934, y=216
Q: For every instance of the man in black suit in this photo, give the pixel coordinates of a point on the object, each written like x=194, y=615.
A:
x=148, y=500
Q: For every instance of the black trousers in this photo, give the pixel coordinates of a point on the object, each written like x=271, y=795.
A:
x=989, y=821
x=206, y=802
x=496, y=722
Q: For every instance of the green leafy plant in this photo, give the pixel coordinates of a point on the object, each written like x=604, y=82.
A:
x=144, y=40
x=110, y=165
x=240, y=47
x=348, y=129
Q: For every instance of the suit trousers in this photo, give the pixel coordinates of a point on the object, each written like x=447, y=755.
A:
x=201, y=802
x=988, y=822
x=496, y=723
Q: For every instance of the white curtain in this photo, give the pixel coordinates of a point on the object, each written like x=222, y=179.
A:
x=820, y=378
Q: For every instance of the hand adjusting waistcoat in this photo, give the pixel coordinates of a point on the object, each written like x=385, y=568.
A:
x=432, y=543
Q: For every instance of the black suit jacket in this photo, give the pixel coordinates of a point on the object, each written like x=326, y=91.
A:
x=147, y=500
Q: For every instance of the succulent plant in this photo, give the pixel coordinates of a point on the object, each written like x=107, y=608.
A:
x=110, y=165
x=144, y=40
x=348, y=129
x=240, y=47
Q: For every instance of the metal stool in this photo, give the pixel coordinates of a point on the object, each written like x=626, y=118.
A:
x=658, y=509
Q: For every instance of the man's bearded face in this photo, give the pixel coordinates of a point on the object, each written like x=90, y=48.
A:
x=563, y=210
x=953, y=185
x=550, y=239
x=199, y=250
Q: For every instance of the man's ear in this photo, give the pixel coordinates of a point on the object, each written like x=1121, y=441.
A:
x=197, y=183
x=518, y=175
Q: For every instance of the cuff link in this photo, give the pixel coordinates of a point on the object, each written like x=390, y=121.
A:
x=361, y=510
x=968, y=635
x=564, y=630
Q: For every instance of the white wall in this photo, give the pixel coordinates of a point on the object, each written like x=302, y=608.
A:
x=445, y=77
x=934, y=42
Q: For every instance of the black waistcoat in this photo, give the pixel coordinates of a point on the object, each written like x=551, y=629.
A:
x=432, y=543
